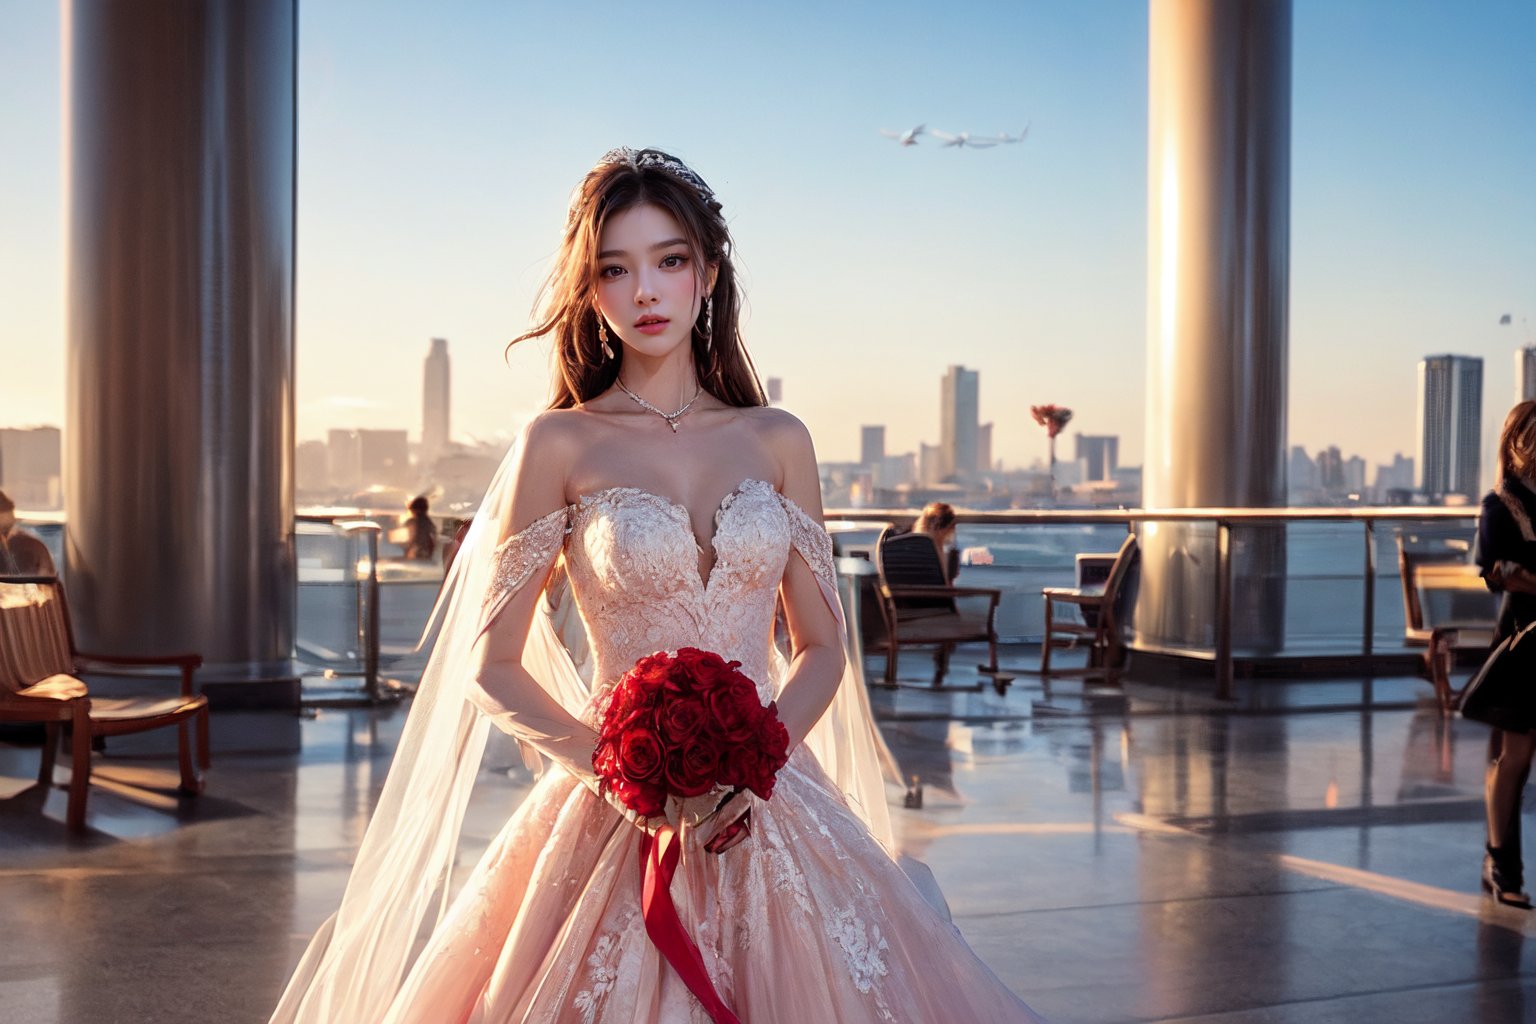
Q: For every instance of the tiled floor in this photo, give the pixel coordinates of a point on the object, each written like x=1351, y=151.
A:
x=1306, y=853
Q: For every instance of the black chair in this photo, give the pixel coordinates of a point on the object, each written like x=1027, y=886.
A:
x=920, y=606
x=1101, y=614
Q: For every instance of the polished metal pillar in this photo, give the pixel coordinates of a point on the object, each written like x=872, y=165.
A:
x=1218, y=250
x=180, y=135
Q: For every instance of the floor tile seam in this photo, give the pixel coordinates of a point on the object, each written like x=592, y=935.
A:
x=1145, y=715
x=1169, y=901
x=218, y=867
x=1446, y=986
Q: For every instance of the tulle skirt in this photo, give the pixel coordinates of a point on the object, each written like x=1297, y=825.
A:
x=809, y=920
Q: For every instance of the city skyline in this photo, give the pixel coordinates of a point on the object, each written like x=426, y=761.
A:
x=426, y=211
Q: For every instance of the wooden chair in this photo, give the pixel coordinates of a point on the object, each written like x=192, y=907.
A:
x=1418, y=562
x=1101, y=614
x=920, y=607
x=39, y=682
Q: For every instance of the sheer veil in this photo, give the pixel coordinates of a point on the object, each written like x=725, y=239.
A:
x=401, y=881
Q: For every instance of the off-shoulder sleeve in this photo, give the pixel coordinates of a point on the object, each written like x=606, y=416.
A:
x=521, y=555
x=811, y=540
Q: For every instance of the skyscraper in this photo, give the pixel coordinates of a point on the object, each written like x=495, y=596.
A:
x=434, y=403
x=1450, y=425
x=958, y=422
x=775, y=390
x=1525, y=373
x=1100, y=454
x=871, y=445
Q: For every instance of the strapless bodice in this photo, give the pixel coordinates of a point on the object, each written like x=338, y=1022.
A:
x=633, y=563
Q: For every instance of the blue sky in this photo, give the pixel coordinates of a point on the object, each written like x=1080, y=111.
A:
x=439, y=142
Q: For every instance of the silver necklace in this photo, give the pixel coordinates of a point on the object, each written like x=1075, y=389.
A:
x=670, y=417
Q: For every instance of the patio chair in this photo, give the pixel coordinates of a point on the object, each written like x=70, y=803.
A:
x=1102, y=611
x=39, y=682
x=920, y=607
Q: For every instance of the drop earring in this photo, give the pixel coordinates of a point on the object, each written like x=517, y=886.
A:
x=708, y=337
x=602, y=336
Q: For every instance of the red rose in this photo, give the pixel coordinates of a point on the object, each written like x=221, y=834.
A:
x=605, y=759
x=733, y=717
x=683, y=773
x=640, y=754
x=680, y=719
x=643, y=799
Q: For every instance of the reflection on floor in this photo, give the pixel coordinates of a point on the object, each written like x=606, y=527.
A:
x=1306, y=853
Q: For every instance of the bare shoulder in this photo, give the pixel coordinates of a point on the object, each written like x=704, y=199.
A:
x=786, y=437
x=782, y=433
x=549, y=445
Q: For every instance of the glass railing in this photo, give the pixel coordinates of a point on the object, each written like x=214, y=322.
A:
x=1343, y=589
x=362, y=607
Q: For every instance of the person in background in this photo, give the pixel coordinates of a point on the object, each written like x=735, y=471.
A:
x=420, y=532
x=1506, y=554
x=938, y=520
x=21, y=554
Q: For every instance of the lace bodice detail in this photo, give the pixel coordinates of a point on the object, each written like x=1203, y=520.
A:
x=633, y=564
x=634, y=569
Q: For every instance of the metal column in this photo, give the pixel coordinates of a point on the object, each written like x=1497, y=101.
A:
x=180, y=169
x=1217, y=283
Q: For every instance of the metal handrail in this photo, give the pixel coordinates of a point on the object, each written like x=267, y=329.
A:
x=1224, y=519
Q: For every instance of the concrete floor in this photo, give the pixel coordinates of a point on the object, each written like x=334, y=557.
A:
x=1306, y=853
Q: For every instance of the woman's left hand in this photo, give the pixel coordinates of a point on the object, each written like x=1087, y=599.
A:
x=731, y=824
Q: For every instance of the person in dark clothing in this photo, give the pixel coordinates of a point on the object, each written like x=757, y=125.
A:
x=1506, y=554
x=421, y=532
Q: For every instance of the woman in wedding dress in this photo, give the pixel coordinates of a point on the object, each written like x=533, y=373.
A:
x=678, y=510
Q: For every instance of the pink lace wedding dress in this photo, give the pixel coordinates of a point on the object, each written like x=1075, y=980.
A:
x=809, y=920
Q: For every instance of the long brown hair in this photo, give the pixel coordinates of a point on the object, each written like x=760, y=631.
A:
x=1517, y=443
x=567, y=306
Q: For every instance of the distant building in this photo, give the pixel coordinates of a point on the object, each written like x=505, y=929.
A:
x=30, y=466
x=1100, y=455
x=872, y=445
x=775, y=390
x=1450, y=426
x=344, y=463
x=360, y=459
x=897, y=470
x=1354, y=476
x=1303, y=485
x=435, y=403
x=1398, y=476
x=959, y=404
x=984, y=448
x=311, y=468
x=1525, y=373
x=1330, y=470
x=930, y=468
x=385, y=457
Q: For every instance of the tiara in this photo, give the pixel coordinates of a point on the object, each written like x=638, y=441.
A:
x=639, y=159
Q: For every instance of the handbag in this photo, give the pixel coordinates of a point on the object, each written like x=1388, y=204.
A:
x=1503, y=692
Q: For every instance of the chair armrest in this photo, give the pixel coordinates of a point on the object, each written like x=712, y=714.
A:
x=1070, y=596
x=188, y=663
x=916, y=591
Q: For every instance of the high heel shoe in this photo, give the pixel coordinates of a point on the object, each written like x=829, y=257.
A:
x=1502, y=883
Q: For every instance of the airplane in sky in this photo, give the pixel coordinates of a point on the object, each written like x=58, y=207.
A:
x=1006, y=138
x=961, y=140
x=906, y=138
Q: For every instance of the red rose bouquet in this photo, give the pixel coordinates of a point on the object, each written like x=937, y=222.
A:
x=683, y=725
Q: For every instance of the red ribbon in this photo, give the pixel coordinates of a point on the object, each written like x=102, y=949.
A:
x=658, y=860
